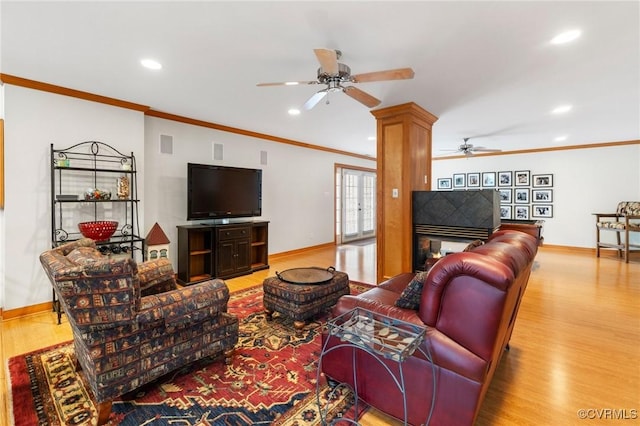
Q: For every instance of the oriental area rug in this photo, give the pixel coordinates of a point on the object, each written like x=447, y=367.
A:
x=270, y=381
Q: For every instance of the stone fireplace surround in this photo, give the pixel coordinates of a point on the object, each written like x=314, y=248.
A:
x=458, y=216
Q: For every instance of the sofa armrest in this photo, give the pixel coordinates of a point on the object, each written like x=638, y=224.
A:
x=349, y=302
x=185, y=305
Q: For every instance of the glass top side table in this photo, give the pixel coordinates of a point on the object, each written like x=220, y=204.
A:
x=381, y=336
x=389, y=337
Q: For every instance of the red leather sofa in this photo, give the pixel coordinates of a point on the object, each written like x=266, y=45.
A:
x=468, y=305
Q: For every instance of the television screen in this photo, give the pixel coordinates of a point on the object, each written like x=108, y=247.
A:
x=223, y=192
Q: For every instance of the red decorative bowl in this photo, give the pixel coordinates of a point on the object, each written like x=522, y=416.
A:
x=99, y=230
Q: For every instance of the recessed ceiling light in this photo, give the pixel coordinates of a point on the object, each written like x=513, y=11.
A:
x=151, y=64
x=566, y=37
x=291, y=83
x=562, y=109
x=294, y=111
x=560, y=139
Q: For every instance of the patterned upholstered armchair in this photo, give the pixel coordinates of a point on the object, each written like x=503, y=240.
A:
x=624, y=221
x=130, y=323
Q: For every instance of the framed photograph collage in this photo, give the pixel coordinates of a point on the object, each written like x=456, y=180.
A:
x=523, y=196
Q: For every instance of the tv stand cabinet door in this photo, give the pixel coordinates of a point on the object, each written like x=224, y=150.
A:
x=233, y=252
x=243, y=255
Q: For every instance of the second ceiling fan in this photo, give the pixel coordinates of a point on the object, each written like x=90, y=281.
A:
x=334, y=74
x=468, y=149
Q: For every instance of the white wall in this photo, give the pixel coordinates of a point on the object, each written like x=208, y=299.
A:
x=584, y=181
x=297, y=182
x=297, y=187
x=34, y=120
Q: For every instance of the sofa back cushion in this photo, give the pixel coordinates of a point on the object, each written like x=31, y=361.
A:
x=517, y=260
x=464, y=297
x=518, y=239
x=84, y=255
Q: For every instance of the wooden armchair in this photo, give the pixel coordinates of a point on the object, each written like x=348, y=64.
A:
x=624, y=221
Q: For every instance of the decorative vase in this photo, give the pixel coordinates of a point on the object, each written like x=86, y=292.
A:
x=123, y=188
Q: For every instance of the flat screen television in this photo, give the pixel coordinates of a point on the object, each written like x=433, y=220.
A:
x=218, y=192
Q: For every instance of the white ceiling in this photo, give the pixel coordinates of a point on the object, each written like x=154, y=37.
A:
x=486, y=69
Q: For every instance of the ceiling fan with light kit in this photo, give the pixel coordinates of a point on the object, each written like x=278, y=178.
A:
x=334, y=74
x=469, y=149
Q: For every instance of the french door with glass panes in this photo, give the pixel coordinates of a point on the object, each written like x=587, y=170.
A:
x=357, y=205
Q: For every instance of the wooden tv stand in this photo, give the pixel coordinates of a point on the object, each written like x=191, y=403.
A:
x=221, y=250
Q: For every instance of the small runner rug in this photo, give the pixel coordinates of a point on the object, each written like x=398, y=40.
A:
x=271, y=381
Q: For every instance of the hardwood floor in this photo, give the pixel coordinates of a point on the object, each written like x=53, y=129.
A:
x=575, y=346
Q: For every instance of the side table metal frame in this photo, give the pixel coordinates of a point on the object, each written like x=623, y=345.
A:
x=367, y=331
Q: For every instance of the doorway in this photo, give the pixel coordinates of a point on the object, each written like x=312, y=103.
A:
x=355, y=204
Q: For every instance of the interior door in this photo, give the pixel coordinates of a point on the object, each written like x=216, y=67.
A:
x=357, y=205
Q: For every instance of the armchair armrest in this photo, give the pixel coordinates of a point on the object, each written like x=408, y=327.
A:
x=599, y=215
x=156, y=276
x=185, y=305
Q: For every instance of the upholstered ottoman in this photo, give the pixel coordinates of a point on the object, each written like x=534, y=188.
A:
x=302, y=301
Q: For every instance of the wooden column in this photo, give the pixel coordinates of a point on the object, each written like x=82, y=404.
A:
x=404, y=165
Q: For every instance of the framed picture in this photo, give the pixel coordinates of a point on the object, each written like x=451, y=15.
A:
x=522, y=178
x=521, y=212
x=542, y=195
x=505, y=195
x=505, y=178
x=444, y=183
x=505, y=211
x=473, y=179
x=540, y=181
x=542, y=210
x=489, y=179
x=459, y=180
x=521, y=195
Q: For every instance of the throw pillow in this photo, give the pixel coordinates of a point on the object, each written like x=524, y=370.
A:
x=410, y=296
x=473, y=244
x=84, y=255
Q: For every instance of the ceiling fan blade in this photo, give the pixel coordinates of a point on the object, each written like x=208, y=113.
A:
x=362, y=97
x=328, y=59
x=483, y=149
x=287, y=83
x=313, y=100
x=396, y=74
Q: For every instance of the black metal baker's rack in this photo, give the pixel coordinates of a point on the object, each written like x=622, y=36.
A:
x=89, y=165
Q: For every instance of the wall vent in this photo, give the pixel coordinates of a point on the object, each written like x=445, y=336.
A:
x=166, y=144
x=218, y=151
